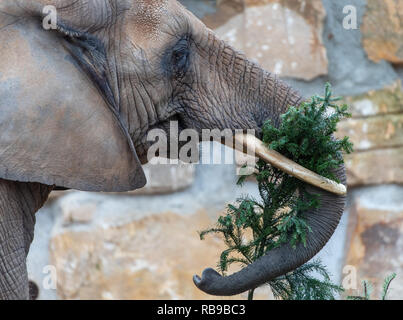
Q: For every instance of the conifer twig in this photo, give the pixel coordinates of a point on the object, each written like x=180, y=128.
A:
x=292, y=168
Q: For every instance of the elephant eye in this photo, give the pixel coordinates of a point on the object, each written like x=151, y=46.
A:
x=180, y=57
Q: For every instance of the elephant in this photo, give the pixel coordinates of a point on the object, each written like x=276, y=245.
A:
x=77, y=101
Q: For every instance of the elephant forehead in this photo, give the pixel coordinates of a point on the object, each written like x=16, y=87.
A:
x=151, y=23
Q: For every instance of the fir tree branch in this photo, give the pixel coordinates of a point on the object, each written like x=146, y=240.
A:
x=304, y=135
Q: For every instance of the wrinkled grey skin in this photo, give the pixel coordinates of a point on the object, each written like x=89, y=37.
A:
x=159, y=63
x=18, y=204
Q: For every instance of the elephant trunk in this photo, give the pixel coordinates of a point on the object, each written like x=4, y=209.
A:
x=260, y=96
x=323, y=222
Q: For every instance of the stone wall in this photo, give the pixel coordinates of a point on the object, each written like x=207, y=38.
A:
x=144, y=245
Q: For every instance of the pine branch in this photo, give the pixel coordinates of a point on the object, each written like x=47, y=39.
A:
x=305, y=135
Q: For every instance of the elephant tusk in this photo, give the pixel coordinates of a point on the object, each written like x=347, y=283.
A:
x=277, y=160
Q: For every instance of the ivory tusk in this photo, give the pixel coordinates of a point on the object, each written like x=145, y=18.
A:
x=292, y=168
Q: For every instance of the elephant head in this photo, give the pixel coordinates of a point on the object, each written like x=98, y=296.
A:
x=77, y=102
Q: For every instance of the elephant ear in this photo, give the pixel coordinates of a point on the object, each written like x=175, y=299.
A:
x=56, y=126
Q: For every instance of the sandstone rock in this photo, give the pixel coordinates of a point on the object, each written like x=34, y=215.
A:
x=128, y=261
x=373, y=132
x=166, y=178
x=375, y=167
x=74, y=210
x=153, y=257
x=135, y=248
x=284, y=36
x=56, y=195
x=224, y=11
x=388, y=100
x=376, y=129
x=376, y=243
x=382, y=30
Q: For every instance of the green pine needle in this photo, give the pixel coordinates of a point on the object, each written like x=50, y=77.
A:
x=386, y=285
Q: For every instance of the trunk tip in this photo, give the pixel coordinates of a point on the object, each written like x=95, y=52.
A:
x=206, y=282
x=196, y=280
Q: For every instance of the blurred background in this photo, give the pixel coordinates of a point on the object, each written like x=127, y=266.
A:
x=144, y=244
